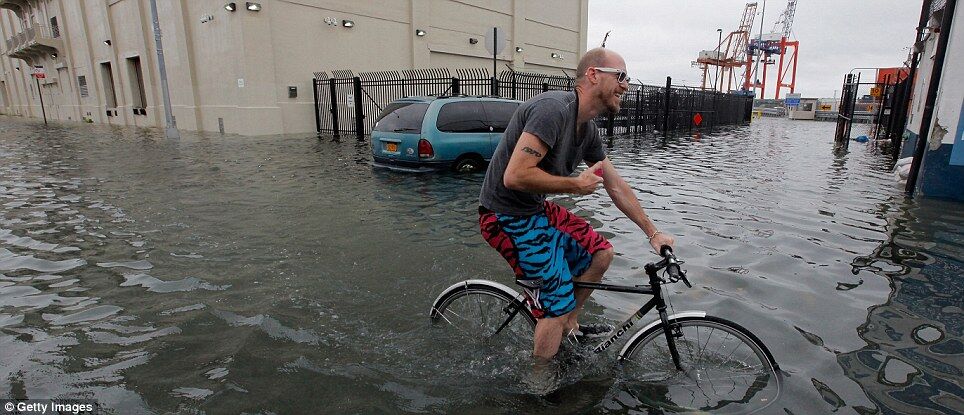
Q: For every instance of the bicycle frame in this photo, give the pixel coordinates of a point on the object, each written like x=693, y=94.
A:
x=656, y=302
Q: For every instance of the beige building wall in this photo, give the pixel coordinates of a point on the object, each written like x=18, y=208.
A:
x=232, y=71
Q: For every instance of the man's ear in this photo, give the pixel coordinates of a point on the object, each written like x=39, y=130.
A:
x=592, y=76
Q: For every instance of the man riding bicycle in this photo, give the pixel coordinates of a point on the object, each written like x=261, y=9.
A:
x=547, y=246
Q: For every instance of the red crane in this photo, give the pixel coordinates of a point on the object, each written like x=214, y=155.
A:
x=726, y=59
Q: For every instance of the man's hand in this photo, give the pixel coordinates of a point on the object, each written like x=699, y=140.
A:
x=587, y=181
x=660, y=239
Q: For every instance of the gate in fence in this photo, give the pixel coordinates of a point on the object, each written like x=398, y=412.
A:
x=346, y=103
x=887, y=112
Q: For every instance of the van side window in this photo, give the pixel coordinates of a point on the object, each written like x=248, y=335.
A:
x=498, y=114
x=462, y=117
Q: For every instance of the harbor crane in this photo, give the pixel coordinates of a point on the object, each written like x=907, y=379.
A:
x=763, y=47
x=730, y=55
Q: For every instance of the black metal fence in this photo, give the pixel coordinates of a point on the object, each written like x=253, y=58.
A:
x=346, y=103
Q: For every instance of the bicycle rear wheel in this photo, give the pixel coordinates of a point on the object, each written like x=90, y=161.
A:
x=484, y=315
x=726, y=369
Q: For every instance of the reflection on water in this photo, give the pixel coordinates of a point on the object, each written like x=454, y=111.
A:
x=912, y=363
x=284, y=274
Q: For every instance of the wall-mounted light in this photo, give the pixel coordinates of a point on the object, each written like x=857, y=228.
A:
x=250, y=5
x=53, y=55
x=419, y=32
x=231, y=7
x=473, y=41
x=555, y=55
x=348, y=23
x=107, y=42
x=518, y=49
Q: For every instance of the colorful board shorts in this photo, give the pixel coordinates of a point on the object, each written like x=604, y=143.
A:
x=545, y=251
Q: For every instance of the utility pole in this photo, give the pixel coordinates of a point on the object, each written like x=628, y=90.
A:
x=170, y=128
x=719, y=45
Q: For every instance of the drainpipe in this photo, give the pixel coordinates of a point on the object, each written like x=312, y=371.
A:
x=170, y=128
x=935, y=81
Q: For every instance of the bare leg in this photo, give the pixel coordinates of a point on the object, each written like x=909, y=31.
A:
x=549, y=331
x=548, y=336
x=600, y=263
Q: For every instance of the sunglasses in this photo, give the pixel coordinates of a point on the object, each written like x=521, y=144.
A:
x=621, y=75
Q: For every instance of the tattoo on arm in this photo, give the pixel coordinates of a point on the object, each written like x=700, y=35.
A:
x=531, y=151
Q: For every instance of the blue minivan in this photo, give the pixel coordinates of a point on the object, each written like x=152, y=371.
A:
x=434, y=133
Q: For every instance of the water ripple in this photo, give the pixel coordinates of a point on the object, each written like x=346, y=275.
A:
x=12, y=262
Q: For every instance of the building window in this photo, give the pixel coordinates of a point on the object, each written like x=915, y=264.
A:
x=82, y=84
x=109, y=94
x=54, y=28
x=137, y=82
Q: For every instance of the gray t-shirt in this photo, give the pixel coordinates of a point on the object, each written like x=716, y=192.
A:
x=551, y=116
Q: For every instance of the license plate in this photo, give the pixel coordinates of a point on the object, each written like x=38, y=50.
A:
x=393, y=147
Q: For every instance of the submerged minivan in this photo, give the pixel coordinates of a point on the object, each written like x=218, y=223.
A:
x=436, y=133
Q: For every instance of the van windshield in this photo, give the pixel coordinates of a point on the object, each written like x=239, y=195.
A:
x=402, y=117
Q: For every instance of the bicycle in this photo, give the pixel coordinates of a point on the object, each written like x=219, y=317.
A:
x=713, y=362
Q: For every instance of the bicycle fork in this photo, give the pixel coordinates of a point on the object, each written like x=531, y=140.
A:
x=668, y=331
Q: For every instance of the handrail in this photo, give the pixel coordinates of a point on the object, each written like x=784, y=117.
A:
x=29, y=34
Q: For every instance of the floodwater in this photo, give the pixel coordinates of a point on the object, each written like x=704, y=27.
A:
x=282, y=274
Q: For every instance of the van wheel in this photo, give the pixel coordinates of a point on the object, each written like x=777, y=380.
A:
x=468, y=164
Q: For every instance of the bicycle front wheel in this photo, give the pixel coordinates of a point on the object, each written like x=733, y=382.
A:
x=725, y=368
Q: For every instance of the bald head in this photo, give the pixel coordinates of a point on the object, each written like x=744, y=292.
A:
x=598, y=57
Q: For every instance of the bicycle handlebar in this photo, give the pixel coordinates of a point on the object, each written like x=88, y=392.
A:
x=672, y=266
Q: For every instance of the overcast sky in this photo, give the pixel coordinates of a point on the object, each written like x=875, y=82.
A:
x=661, y=38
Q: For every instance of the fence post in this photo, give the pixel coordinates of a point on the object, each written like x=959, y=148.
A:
x=853, y=108
x=456, y=89
x=702, y=108
x=513, y=85
x=314, y=90
x=334, y=107
x=359, y=112
x=842, y=109
x=666, y=94
x=689, y=114
x=495, y=86
x=636, y=110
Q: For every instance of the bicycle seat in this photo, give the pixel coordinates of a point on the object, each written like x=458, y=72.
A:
x=532, y=284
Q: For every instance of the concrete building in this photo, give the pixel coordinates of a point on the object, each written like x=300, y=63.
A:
x=941, y=156
x=231, y=64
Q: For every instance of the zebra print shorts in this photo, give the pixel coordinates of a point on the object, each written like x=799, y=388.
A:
x=545, y=250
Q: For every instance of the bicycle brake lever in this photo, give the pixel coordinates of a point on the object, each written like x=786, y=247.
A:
x=682, y=275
